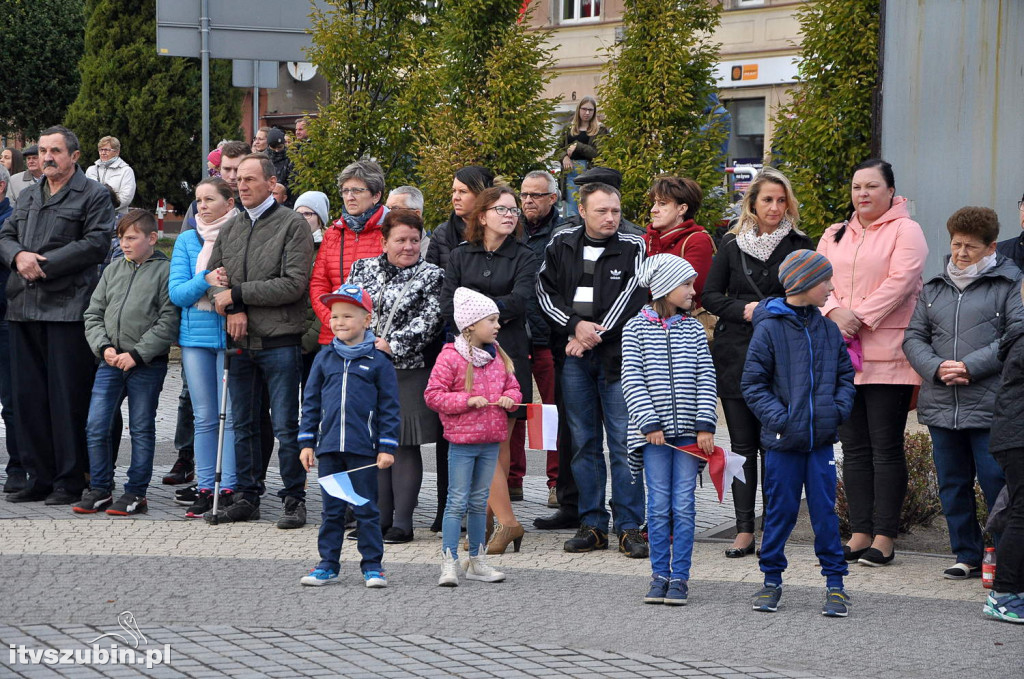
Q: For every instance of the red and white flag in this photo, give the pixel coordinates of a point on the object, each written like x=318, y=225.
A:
x=723, y=466
x=542, y=426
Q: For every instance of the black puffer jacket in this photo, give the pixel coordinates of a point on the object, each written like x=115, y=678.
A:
x=537, y=240
x=444, y=239
x=953, y=325
x=72, y=229
x=725, y=294
x=1007, y=431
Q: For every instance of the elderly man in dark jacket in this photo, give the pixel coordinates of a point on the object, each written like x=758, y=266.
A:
x=53, y=244
x=263, y=257
x=16, y=479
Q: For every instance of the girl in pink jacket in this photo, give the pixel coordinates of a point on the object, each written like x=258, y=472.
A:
x=877, y=258
x=473, y=382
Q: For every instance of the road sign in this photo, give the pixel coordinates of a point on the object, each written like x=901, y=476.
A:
x=242, y=73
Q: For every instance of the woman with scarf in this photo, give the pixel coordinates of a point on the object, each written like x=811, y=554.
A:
x=406, y=294
x=673, y=230
x=877, y=257
x=357, y=235
x=745, y=272
x=953, y=343
x=202, y=338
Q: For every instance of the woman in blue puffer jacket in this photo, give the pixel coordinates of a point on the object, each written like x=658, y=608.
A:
x=203, y=340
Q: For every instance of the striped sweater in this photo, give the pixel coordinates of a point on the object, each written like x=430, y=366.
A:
x=668, y=380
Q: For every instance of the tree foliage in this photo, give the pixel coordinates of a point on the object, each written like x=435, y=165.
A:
x=826, y=130
x=659, y=101
x=367, y=50
x=39, y=43
x=478, y=98
x=152, y=104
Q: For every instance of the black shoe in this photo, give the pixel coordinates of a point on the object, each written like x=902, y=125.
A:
x=15, y=481
x=874, y=557
x=240, y=510
x=350, y=519
x=435, y=527
x=587, y=539
x=128, y=504
x=397, y=536
x=352, y=535
x=739, y=552
x=559, y=520
x=203, y=504
x=30, y=494
x=851, y=555
x=60, y=496
x=294, y=514
x=186, y=496
x=183, y=471
x=93, y=500
x=633, y=545
x=515, y=494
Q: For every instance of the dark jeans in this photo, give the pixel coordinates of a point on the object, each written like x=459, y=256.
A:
x=1010, y=552
x=142, y=385
x=279, y=369
x=52, y=369
x=745, y=434
x=565, y=484
x=14, y=466
x=185, y=428
x=960, y=456
x=874, y=460
x=332, y=524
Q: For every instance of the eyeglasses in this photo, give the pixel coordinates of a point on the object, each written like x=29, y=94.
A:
x=106, y=150
x=503, y=210
x=307, y=215
x=353, y=191
x=534, y=196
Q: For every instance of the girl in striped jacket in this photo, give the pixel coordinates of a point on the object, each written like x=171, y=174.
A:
x=668, y=381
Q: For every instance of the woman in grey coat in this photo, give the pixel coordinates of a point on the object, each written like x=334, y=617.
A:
x=953, y=343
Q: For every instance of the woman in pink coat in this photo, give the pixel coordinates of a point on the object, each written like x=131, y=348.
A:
x=877, y=258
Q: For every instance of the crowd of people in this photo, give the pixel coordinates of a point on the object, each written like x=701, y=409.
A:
x=356, y=340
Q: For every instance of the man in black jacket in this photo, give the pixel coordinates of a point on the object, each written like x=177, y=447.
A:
x=587, y=288
x=54, y=243
x=1013, y=248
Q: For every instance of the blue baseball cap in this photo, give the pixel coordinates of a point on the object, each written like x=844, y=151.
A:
x=349, y=294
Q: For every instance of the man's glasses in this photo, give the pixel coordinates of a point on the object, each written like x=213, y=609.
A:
x=534, y=196
x=503, y=210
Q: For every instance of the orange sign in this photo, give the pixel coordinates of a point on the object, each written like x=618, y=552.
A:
x=750, y=71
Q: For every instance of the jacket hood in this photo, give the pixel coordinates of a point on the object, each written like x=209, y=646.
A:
x=897, y=211
x=776, y=307
x=1003, y=267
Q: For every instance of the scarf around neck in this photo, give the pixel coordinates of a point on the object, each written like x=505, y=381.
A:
x=348, y=352
x=356, y=223
x=963, y=277
x=478, y=356
x=208, y=234
x=762, y=246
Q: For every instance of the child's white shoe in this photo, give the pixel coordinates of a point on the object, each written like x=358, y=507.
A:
x=477, y=568
x=449, y=570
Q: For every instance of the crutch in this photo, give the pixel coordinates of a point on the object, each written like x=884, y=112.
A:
x=223, y=416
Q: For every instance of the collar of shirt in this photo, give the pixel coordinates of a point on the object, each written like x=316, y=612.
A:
x=254, y=213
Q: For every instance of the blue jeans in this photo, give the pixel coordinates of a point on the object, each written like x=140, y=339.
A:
x=589, y=400
x=960, y=456
x=671, y=506
x=14, y=465
x=142, y=384
x=332, y=524
x=572, y=192
x=204, y=368
x=281, y=369
x=470, y=470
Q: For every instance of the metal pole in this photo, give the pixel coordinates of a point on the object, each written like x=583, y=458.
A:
x=255, y=98
x=204, y=54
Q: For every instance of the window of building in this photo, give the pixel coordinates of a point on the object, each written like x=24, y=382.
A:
x=743, y=4
x=746, y=138
x=580, y=10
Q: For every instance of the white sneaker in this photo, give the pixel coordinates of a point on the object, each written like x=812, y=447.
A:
x=449, y=570
x=477, y=568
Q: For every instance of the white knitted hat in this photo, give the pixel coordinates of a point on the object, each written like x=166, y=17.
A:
x=471, y=306
x=664, y=273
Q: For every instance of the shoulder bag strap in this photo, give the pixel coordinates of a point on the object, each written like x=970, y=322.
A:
x=398, y=302
x=746, y=273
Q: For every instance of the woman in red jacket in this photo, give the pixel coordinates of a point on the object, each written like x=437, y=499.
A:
x=357, y=235
x=673, y=231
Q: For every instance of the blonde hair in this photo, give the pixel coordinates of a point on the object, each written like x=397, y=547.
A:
x=510, y=367
x=112, y=141
x=748, y=213
x=594, y=126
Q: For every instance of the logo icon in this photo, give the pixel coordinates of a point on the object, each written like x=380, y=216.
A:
x=126, y=621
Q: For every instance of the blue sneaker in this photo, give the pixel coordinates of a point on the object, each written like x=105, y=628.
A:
x=318, y=577
x=837, y=603
x=677, y=592
x=659, y=587
x=767, y=600
x=375, y=579
x=1006, y=607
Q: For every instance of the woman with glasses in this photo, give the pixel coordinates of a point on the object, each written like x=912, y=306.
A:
x=578, y=148
x=357, y=235
x=111, y=170
x=494, y=262
x=1013, y=248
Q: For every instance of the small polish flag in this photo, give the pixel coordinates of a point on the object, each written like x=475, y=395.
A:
x=340, y=486
x=542, y=426
x=723, y=466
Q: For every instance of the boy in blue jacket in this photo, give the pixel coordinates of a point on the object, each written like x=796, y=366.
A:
x=350, y=413
x=798, y=381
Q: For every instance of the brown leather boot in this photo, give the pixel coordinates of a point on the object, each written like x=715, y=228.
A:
x=503, y=535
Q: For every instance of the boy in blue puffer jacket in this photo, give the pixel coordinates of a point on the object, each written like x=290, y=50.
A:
x=798, y=381
x=350, y=414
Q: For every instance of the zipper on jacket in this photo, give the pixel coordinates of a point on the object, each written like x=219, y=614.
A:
x=956, y=337
x=671, y=380
x=344, y=395
x=810, y=348
x=853, y=269
x=124, y=300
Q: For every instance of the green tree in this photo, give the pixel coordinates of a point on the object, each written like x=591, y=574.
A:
x=478, y=98
x=40, y=38
x=367, y=50
x=826, y=130
x=149, y=102
x=659, y=101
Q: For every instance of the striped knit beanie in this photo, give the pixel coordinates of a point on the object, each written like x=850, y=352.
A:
x=664, y=273
x=802, y=270
x=471, y=306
